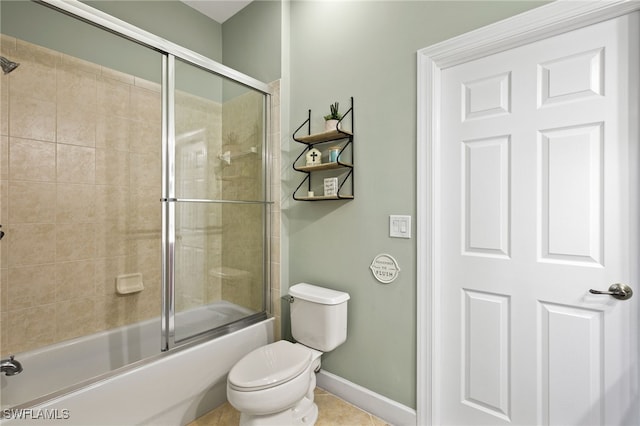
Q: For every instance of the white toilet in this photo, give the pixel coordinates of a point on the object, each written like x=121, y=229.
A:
x=273, y=385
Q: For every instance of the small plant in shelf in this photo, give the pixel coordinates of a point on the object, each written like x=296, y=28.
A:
x=331, y=120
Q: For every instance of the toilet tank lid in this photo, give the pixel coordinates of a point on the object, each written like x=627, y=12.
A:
x=313, y=293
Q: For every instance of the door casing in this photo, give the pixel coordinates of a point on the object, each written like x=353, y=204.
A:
x=540, y=23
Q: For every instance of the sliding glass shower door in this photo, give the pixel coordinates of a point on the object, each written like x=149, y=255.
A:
x=113, y=150
x=216, y=200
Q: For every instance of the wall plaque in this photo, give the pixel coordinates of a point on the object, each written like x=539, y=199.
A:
x=385, y=268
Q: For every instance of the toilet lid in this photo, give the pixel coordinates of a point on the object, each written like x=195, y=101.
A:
x=270, y=365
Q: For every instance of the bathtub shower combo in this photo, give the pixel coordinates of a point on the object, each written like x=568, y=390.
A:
x=135, y=243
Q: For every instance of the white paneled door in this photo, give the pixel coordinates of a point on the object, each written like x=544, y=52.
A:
x=538, y=203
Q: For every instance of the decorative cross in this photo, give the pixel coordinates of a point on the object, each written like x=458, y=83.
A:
x=314, y=157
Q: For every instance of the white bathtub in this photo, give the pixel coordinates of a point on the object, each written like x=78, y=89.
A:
x=172, y=389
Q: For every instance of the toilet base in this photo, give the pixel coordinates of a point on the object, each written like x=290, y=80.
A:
x=304, y=413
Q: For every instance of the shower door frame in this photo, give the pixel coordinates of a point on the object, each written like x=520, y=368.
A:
x=170, y=51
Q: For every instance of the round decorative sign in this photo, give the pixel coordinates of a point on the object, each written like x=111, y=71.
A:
x=385, y=268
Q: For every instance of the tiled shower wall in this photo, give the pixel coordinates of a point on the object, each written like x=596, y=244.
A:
x=242, y=179
x=80, y=177
x=199, y=226
x=240, y=269
x=79, y=201
x=276, y=210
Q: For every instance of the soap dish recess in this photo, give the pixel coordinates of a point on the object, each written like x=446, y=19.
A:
x=129, y=283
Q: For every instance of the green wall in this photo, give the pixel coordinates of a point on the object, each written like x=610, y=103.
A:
x=171, y=20
x=367, y=49
x=251, y=40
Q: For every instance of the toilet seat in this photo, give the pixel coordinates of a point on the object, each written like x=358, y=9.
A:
x=269, y=366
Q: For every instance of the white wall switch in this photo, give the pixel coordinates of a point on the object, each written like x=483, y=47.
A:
x=399, y=226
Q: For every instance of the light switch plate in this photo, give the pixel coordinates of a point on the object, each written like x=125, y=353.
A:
x=399, y=226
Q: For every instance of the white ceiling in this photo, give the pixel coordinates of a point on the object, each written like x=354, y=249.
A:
x=218, y=10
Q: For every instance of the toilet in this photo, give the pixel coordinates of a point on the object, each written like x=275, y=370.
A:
x=274, y=384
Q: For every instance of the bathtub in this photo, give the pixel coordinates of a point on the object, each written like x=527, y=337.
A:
x=118, y=377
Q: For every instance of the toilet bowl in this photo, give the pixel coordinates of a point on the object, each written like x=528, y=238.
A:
x=274, y=384
x=271, y=383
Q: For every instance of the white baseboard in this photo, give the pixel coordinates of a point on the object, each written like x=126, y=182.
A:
x=376, y=404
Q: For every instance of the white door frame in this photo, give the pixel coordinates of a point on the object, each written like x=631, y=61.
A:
x=543, y=22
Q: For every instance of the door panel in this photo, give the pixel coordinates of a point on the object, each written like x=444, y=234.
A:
x=535, y=210
x=220, y=204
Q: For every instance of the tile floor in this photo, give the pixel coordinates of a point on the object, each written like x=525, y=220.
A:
x=332, y=411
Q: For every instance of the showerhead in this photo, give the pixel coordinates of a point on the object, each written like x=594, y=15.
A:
x=7, y=65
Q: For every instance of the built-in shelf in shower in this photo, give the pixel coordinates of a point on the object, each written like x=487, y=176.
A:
x=226, y=272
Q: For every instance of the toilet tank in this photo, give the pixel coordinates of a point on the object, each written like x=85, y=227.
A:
x=318, y=316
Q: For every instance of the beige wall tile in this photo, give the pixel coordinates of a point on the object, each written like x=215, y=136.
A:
x=144, y=256
x=112, y=167
x=111, y=239
x=32, y=118
x=275, y=272
x=4, y=203
x=7, y=44
x=30, y=328
x=112, y=132
x=75, y=241
x=4, y=105
x=75, y=318
x=74, y=280
x=31, y=202
x=145, y=208
x=72, y=64
x=145, y=137
x=76, y=115
x=87, y=192
x=146, y=84
x=4, y=289
x=4, y=337
x=117, y=76
x=75, y=164
x=145, y=305
x=32, y=160
x=107, y=269
x=112, y=204
x=75, y=203
x=4, y=157
x=112, y=311
x=28, y=52
x=76, y=125
x=31, y=244
x=31, y=286
x=145, y=105
x=4, y=214
x=35, y=80
x=113, y=98
x=77, y=87
x=213, y=289
x=145, y=169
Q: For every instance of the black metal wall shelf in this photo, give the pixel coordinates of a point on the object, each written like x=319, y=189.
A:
x=345, y=139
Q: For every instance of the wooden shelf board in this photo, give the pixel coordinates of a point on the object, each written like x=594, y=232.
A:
x=328, y=197
x=328, y=136
x=324, y=166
